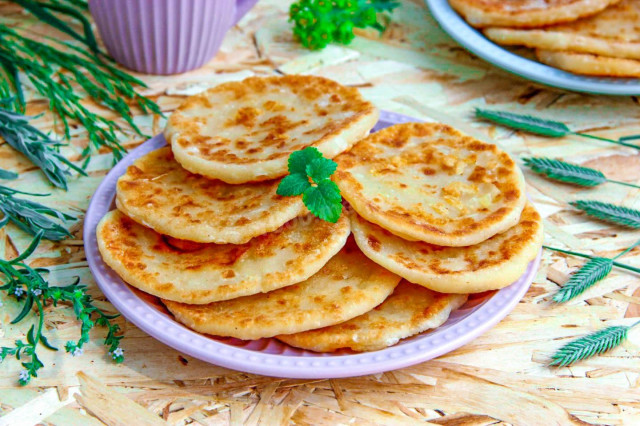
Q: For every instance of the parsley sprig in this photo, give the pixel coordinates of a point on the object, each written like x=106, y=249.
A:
x=310, y=176
x=320, y=22
x=29, y=287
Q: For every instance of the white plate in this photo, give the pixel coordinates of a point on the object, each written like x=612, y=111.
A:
x=475, y=42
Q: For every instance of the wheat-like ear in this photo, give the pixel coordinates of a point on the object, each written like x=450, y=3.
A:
x=565, y=172
x=593, y=271
x=527, y=123
x=569, y=173
x=619, y=215
x=590, y=345
x=539, y=126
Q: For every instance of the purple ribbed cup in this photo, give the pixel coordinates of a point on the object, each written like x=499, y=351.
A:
x=165, y=36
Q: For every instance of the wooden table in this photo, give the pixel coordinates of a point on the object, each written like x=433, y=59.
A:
x=501, y=377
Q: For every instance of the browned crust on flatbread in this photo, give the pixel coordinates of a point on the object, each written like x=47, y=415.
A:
x=157, y=192
x=409, y=310
x=526, y=13
x=203, y=273
x=425, y=264
x=185, y=131
x=419, y=224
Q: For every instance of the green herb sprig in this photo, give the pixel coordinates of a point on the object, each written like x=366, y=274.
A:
x=570, y=173
x=43, y=11
x=539, y=126
x=595, y=270
x=590, y=345
x=30, y=216
x=29, y=287
x=41, y=150
x=619, y=215
x=54, y=71
x=310, y=176
x=320, y=22
x=8, y=175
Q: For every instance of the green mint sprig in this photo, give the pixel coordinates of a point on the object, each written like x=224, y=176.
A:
x=310, y=176
x=539, y=126
x=570, y=173
x=320, y=22
x=30, y=216
x=39, y=148
x=590, y=345
x=29, y=287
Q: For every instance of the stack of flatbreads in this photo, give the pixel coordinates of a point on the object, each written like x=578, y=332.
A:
x=435, y=215
x=591, y=37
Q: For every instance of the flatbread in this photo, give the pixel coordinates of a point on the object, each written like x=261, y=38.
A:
x=526, y=13
x=410, y=310
x=587, y=64
x=158, y=193
x=244, y=131
x=614, y=32
x=429, y=182
x=490, y=265
x=348, y=285
x=202, y=273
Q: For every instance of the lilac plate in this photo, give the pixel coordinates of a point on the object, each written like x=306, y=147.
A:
x=270, y=356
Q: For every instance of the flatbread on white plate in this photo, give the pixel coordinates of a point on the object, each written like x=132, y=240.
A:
x=489, y=265
x=244, y=131
x=202, y=273
x=409, y=310
x=429, y=182
x=588, y=64
x=347, y=286
x=526, y=13
x=158, y=193
x=614, y=32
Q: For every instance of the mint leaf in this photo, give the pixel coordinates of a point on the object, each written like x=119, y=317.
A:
x=324, y=200
x=292, y=185
x=298, y=160
x=320, y=169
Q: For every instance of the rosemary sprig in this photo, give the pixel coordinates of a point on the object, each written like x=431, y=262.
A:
x=41, y=10
x=595, y=270
x=37, y=147
x=591, y=345
x=570, y=173
x=28, y=286
x=618, y=215
x=30, y=216
x=51, y=71
x=539, y=126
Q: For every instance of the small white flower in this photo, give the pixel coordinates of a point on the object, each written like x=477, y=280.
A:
x=18, y=291
x=23, y=376
x=36, y=292
x=77, y=352
x=1, y=304
x=118, y=352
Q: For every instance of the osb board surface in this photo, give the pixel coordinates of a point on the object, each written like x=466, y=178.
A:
x=499, y=378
